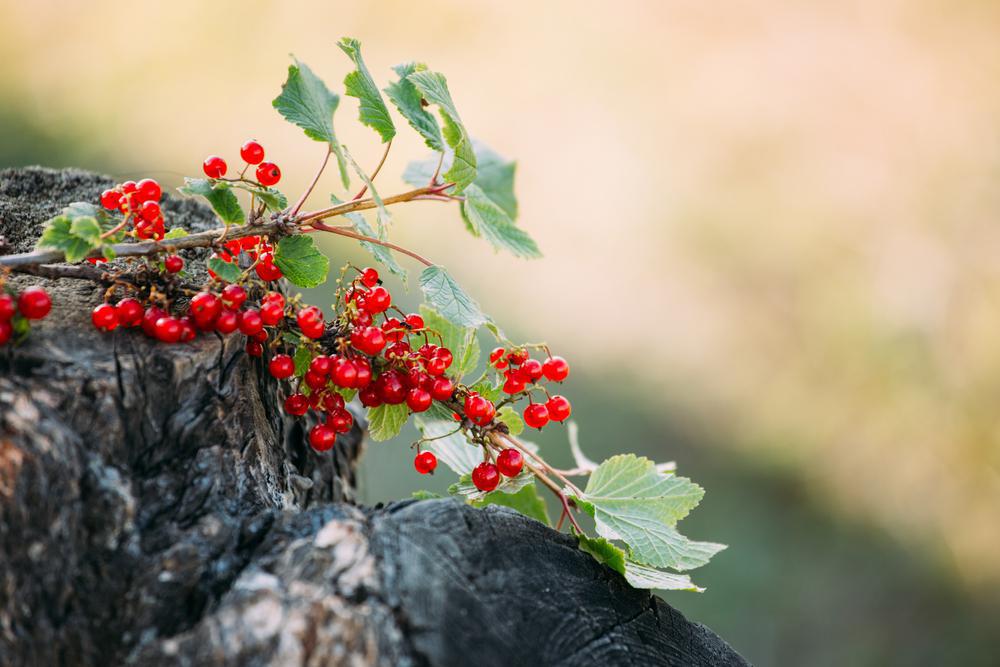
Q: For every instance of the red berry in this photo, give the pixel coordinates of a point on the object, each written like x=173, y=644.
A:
x=496, y=355
x=536, y=415
x=149, y=319
x=369, y=340
x=252, y=152
x=111, y=199
x=510, y=462
x=149, y=190
x=296, y=404
x=378, y=300
x=321, y=365
x=344, y=373
x=517, y=356
x=168, y=329
x=129, y=312
x=485, y=476
x=268, y=173
x=513, y=385
x=340, y=421
x=418, y=399
x=34, y=303
x=442, y=389
x=282, y=366
x=393, y=328
x=435, y=366
x=556, y=369
x=315, y=381
x=274, y=297
x=266, y=269
x=479, y=409
x=6, y=331
x=391, y=388
x=260, y=336
x=7, y=307
x=369, y=397
x=104, y=317
x=559, y=408
x=444, y=355
x=254, y=349
x=233, y=296
x=531, y=370
x=227, y=322
x=250, y=322
x=425, y=462
x=272, y=312
x=214, y=166
x=364, y=371
x=415, y=321
x=333, y=402
x=322, y=437
x=188, y=332
x=173, y=263
x=369, y=277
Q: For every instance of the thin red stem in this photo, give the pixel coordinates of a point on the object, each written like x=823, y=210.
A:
x=315, y=180
x=371, y=178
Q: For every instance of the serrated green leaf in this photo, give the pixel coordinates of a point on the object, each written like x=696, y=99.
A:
x=509, y=416
x=633, y=502
x=526, y=501
x=82, y=209
x=462, y=341
x=386, y=421
x=305, y=101
x=226, y=271
x=274, y=200
x=359, y=84
x=86, y=228
x=58, y=234
x=407, y=99
x=303, y=357
x=449, y=445
x=175, y=233
x=220, y=197
x=487, y=390
x=485, y=218
x=300, y=261
x=642, y=576
x=108, y=252
x=603, y=551
x=382, y=213
x=434, y=88
x=347, y=392
x=494, y=175
x=445, y=296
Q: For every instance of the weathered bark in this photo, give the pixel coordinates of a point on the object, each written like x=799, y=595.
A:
x=157, y=508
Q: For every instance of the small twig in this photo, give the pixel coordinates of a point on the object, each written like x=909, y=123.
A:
x=437, y=171
x=315, y=180
x=371, y=178
x=371, y=239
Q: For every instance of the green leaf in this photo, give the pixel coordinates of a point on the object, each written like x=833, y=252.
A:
x=58, y=234
x=300, y=261
x=639, y=576
x=509, y=416
x=82, y=209
x=434, y=87
x=274, y=200
x=450, y=445
x=303, y=357
x=359, y=84
x=108, y=252
x=487, y=390
x=424, y=495
x=443, y=293
x=603, y=551
x=526, y=501
x=307, y=102
x=462, y=341
x=495, y=177
x=408, y=99
x=633, y=502
x=485, y=218
x=220, y=197
x=386, y=421
x=224, y=270
x=175, y=233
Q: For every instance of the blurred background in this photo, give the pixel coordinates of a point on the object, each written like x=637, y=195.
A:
x=771, y=233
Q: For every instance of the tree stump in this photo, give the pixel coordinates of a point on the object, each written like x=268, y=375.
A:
x=158, y=508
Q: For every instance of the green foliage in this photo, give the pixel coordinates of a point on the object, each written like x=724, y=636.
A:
x=305, y=101
x=300, y=261
x=509, y=416
x=303, y=357
x=444, y=294
x=219, y=195
x=381, y=212
x=487, y=219
x=526, y=501
x=462, y=341
x=637, y=575
x=386, y=421
x=408, y=101
x=175, y=233
x=273, y=199
x=76, y=231
x=359, y=84
x=434, y=87
x=227, y=271
x=450, y=445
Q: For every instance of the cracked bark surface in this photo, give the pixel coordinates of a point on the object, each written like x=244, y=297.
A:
x=156, y=508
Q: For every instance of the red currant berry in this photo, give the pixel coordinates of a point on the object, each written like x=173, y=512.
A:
x=444, y=355
x=7, y=307
x=536, y=415
x=369, y=277
x=173, y=263
x=233, y=297
x=369, y=397
x=129, y=312
x=513, y=385
x=6, y=331
x=425, y=462
x=418, y=400
x=479, y=409
x=485, y=476
x=435, y=366
x=281, y=366
x=442, y=388
x=188, y=331
x=344, y=373
x=559, y=408
x=315, y=381
x=168, y=329
x=517, y=356
x=111, y=199
x=556, y=369
x=364, y=371
x=322, y=437
x=333, y=402
x=104, y=317
x=378, y=300
x=340, y=421
x=296, y=405
x=497, y=354
x=510, y=462
x=250, y=322
x=34, y=303
x=415, y=321
x=268, y=174
x=309, y=316
x=321, y=365
x=254, y=349
x=391, y=387
x=227, y=322
x=531, y=370
x=272, y=312
x=369, y=340
x=149, y=319
x=149, y=190
x=252, y=152
x=266, y=269
x=393, y=328
x=260, y=336
x=274, y=297
x=130, y=187
x=214, y=166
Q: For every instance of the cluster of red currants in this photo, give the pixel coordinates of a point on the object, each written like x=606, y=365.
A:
x=34, y=303
x=252, y=153
x=140, y=204
x=261, y=253
x=486, y=475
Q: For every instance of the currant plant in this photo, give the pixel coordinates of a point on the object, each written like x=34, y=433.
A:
x=396, y=365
